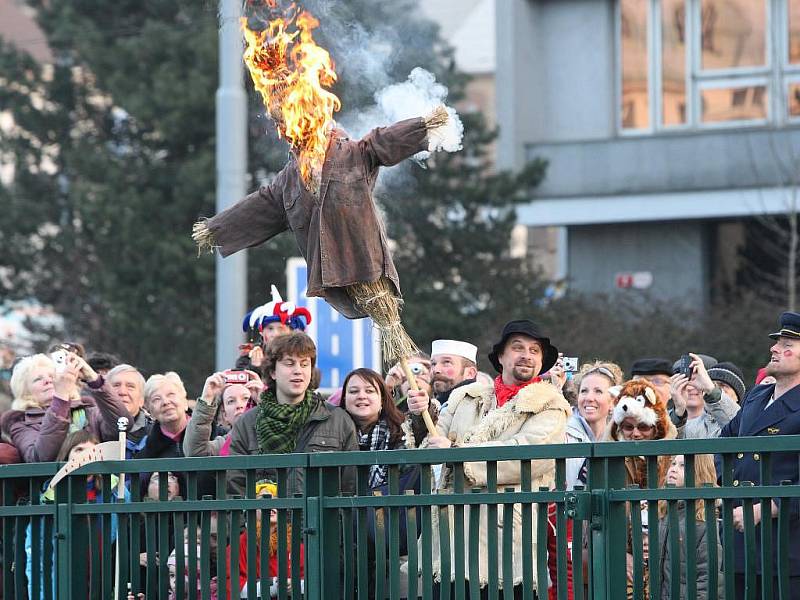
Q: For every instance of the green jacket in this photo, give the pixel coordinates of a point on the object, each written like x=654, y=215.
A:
x=328, y=429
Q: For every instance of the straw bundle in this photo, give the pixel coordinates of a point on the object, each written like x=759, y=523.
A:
x=377, y=300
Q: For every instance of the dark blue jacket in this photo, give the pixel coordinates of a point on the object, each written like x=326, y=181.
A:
x=781, y=418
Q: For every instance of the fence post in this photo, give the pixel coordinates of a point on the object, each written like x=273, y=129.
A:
x=72, y=541
x=323, y=554
x=609, y=529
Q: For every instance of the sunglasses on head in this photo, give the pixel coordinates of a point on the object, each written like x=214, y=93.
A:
x=642, y=427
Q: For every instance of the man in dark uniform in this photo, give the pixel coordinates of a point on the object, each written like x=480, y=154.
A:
x=770, y=410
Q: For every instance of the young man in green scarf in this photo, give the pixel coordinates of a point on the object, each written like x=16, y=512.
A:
x=291, y=417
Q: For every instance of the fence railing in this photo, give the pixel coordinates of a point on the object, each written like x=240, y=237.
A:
x=408, y=540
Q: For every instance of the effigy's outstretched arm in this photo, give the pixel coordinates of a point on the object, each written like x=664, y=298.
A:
x=252, y=221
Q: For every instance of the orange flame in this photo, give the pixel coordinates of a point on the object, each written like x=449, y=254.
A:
x=291, y=75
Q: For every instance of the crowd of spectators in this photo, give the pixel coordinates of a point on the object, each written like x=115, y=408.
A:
x=268, y=403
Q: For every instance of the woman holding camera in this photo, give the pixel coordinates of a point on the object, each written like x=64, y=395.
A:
x=226, y=395
x=48, y=406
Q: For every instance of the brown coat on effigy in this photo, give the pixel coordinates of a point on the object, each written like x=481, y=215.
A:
x=340, y=232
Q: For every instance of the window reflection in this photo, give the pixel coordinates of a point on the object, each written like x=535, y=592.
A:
x=793, y=101
x=733, y=33
x=673, y=67
x=794, y=31
x=635, y=100
x=743, y=103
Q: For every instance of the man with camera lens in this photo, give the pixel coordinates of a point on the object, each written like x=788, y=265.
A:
x=700, y=408
x=453, y=365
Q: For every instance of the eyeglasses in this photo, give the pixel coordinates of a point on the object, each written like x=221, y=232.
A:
x=642, y=427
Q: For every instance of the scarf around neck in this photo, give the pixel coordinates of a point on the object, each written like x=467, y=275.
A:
x=376, y=439
x=278, y=425
x=504, y=392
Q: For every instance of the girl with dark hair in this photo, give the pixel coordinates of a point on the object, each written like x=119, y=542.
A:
x=379, y=423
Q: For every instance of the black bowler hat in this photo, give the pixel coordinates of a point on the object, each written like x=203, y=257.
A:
x=529, y=328
x=790, y=326
x=651, y=366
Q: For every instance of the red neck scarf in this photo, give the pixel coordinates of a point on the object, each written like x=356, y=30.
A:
x=504, y=392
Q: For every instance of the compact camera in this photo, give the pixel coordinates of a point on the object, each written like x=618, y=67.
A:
x=59, y=357
x=236, y=377
x=416, y=368
x=570, y=364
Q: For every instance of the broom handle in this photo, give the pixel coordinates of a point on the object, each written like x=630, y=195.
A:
x=412, y=382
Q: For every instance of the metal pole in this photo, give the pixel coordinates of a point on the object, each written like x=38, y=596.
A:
x=231, y=167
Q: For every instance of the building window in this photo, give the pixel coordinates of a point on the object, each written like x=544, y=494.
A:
x=688, y=64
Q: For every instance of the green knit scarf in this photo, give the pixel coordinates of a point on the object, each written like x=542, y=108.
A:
x=278, y=425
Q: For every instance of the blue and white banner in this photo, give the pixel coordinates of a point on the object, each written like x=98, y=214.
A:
x=342, y=344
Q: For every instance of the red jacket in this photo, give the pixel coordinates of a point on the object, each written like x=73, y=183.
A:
x=273, y=563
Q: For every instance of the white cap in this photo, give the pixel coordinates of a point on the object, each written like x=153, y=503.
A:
x=455, y=348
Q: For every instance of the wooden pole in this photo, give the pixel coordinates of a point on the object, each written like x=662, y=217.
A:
x=412, y=382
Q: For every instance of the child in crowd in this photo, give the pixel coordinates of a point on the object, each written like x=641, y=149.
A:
x=705, y=473
x=74, y=445
x=264, y=489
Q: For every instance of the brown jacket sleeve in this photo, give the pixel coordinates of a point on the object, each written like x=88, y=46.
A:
x=387, y=146
x=40, y=442
x=105, y=414
x=251, y=221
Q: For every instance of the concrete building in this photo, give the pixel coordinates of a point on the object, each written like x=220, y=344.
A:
x=669, y=126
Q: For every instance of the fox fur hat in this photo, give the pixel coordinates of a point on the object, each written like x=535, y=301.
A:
x=639, y=400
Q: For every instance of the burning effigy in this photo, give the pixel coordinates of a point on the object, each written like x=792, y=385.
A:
x=324, y=193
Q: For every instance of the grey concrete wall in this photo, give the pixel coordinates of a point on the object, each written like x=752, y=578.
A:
x=675, y=253
x=554, y=58
x=708, y=160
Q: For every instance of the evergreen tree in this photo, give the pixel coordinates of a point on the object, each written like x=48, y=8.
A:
x=113, y=156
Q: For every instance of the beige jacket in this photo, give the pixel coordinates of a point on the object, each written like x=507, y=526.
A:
x=536, y=415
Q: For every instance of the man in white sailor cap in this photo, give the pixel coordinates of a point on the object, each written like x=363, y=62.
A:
x=453, y=364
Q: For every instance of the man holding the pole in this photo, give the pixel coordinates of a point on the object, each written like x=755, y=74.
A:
x=519, y=409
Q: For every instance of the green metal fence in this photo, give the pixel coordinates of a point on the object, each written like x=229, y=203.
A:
x=360, y=545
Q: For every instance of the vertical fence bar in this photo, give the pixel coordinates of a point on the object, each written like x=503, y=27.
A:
x=180, y=557
x=712, y=549
x=691, y=530
x=135, y=523
x=459, y=572
x=191, y=538
x=427, y=534
x=236, y=527
x=123, y=551
x=508, y=546
x=411, y=537
x=380, y=549
x=526, y=485
x=653, y=543
x=221, y=483
x=577, y=554
x=637, y=536
x=283, y=549
x=541, y=546
x=205, y=554
x=491, y=530
x=727, y=525
x=765, y=473
x=394, y=535
x=348, y=551
x=562, y=558
x=362, y=532
x=474, y=516
x=784, y=512
x=673, y=535
x=749, y=546
x=444, y=551
x=297, y=537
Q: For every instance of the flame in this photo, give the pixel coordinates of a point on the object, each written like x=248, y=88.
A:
x=291, y=73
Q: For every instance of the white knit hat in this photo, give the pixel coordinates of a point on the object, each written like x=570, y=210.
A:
x=455, y=348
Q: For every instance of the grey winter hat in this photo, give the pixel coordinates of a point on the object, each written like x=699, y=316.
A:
x=727, y=372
